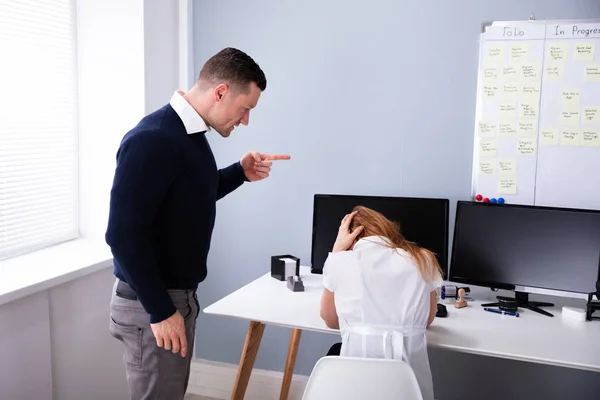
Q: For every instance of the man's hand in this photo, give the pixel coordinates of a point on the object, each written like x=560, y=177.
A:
x=345, y=238
x=170, y=334
x=257, y=166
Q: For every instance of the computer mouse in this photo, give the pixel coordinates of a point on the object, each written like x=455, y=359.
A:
x=441, y=311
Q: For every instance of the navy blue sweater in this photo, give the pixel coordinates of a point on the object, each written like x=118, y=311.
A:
x=162, y=208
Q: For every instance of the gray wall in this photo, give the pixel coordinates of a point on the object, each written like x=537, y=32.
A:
x=377, y=101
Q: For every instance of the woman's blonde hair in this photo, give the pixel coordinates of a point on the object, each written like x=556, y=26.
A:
x=376, y=224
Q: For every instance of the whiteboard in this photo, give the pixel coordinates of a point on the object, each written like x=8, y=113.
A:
x=537, y=127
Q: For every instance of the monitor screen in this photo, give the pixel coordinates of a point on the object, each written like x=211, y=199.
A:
x=422, y=220
x=503, y=246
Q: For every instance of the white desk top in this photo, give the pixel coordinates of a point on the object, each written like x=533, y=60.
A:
x=531, y=337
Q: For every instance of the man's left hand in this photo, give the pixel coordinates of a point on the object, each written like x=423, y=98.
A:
x=257, y=166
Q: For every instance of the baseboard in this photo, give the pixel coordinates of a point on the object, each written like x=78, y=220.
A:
x=215, y=379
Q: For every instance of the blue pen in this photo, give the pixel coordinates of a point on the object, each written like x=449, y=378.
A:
x=512, y=314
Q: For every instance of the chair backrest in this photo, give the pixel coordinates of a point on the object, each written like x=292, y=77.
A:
x=348, y=378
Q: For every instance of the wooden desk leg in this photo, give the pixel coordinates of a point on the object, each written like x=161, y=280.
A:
x=253, y=338
x=289, y=363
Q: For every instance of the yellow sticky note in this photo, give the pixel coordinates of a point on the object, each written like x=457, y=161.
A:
x=592, y=73
x=487, y=166
x=510, y=91
x=490, y=74
x=487, y=129
x=511, y=73
x=531, y=90
x=487, y=148
x=507, y=111
x=490, y=91
x=584, y=51
x=507, y=185
x=494, y=52
x=507, y=166
x=518, y=51
x=528, y=110
x=507, y=129
x=590, y=137
x=549, y=136
x=569, y=117
x=591, y=115
x=570, y=97
x=526, y=147
x=555, y=72
x=527, y=128
x=530, y=71
x=570, y=136
x=557, y=51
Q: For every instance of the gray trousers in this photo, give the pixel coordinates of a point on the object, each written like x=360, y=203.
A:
x=153, y=373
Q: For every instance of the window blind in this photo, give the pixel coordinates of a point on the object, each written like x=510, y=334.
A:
x=38, y=125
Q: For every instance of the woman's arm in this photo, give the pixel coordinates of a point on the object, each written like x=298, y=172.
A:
x=328, y=311
x=432, y=307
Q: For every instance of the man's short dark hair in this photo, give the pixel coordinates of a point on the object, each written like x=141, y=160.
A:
x=234, y=67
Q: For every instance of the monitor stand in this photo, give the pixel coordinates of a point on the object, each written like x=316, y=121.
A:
x=523, y=302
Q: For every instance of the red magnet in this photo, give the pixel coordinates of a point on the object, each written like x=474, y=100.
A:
x=486, y=200
x=478, y=197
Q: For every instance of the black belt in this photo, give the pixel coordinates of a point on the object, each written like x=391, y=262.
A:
x=125, y=291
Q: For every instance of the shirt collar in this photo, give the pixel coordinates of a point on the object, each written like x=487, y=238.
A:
x=192, y=121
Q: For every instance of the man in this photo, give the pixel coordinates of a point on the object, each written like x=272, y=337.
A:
x=162, y=212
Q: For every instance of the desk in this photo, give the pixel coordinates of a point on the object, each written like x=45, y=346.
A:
x=532, y=337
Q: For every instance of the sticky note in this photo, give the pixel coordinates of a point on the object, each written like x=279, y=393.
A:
x=557, y=51
x=510, y=91
x=526, y=147
x=511, y=73
x=490, y=74
x=494, y=52
x=487, y=129
x=570, y=97
x=487, y=148
x=530, y=71
x=570, y=136
x=487, y=166
x=549, y=136
x=528, y=110
x=490, y=91
x=507, y=129
x=507, y=185
x=518, y=51
x=584, y=51
x=507, y=166
x=507, y=111
x=592, y=73
x=555, y=72
x=591, y=115
x=590, y=137
x=531, y=90
x=527, y=128
x=569, y=117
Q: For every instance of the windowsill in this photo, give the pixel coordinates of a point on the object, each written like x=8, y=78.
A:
x=38, y=271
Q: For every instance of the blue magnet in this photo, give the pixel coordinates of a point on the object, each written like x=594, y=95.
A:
x=493, y=201
x=500, y=200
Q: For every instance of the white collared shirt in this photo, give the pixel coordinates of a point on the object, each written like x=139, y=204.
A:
x=192, y=121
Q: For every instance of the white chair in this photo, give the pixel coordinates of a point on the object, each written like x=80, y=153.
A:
x=349, y=378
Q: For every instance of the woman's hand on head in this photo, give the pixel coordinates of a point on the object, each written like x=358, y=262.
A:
x=345, y=237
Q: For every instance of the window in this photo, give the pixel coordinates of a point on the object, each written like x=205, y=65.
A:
x=38, y=125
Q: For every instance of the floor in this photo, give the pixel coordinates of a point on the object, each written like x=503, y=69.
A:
x=196, y=397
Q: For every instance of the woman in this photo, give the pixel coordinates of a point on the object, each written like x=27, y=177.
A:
x=380, y=292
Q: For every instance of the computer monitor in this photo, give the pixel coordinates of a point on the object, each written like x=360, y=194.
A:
x=527, y=249
x=422, y=220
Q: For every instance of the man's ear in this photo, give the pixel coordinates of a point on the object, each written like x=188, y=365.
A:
x=219, y=92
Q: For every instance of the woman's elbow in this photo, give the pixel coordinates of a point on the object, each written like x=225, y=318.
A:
x=331, y=322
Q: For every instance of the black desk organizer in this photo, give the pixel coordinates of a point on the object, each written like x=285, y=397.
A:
x=278, y=266
x=593, y=306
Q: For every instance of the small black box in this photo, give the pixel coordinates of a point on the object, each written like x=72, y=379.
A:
x=278, y=266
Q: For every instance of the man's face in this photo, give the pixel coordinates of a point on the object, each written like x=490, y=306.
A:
x=233, y=107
